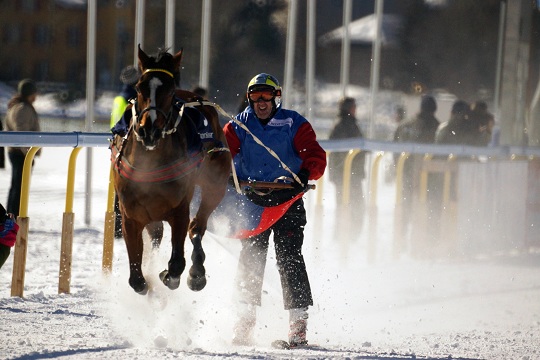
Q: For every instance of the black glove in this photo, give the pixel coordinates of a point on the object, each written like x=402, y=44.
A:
x=303, y=175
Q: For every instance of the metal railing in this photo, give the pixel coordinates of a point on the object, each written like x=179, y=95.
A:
x=36, y=140
x=77, y=140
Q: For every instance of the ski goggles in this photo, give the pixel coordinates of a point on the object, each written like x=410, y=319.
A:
x=265, y=95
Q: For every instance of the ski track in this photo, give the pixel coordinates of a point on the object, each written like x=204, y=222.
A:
x=386, y=309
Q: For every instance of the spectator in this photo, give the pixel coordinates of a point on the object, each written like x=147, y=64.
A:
x=129, y=77
x=290, y=137
x=459, y=129
x=420, y=129
x=8, y=234
x=347, y=127
x=463, y=128
x=483, y=121
x=21, y=116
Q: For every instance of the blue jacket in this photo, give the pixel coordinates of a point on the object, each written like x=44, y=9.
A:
x=254, y=162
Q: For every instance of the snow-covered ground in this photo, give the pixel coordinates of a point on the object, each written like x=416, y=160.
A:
x=381, y=309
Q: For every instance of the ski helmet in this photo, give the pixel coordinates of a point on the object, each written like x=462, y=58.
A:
x=265, y=81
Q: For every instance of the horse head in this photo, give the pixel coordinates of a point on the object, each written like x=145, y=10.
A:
x=155, y=96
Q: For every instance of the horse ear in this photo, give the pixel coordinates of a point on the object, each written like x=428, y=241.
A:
x=178, y=58
x=143, y=58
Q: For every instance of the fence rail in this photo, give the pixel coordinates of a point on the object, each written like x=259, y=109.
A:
x=83, y=139
x=78, y=140
x=54, y=139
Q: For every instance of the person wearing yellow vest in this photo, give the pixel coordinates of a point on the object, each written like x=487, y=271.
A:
x=129, y=77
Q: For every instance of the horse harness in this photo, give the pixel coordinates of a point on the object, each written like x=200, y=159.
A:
x=172, y=171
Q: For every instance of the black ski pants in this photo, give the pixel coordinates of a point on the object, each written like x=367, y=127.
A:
x=288, y=239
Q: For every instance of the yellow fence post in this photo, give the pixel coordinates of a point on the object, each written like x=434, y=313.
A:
x=347, y=169
x=399, y=235
x=373, y=215
x=108, y=232
x=66, y=247
x=419, y=236
x=449, y=210
x=320, y=185
x=21, y=246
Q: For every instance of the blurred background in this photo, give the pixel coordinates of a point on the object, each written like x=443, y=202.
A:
x=455, y=49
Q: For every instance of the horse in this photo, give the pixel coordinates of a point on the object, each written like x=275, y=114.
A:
x=159, y=161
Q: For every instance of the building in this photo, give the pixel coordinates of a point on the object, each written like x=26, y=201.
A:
x=46, y=40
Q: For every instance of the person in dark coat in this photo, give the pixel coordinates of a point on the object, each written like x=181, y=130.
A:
x=462, y=128
x=129, y=77
x=347, y=127
x=420, y=129
x=459, y=129
x=349, y=214
x=483, y=121
x=21, y=116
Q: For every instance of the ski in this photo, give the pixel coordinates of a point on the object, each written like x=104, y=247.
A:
x=285, y=345
x=281, y=344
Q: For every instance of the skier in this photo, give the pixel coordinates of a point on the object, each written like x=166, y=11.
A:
x=292, y=138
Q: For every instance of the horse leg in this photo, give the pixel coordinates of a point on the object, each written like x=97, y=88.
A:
x=155, y=230
x=213, y=185
x=134, y=244
x=197, y=274
x=197, y=227
x=177, y=262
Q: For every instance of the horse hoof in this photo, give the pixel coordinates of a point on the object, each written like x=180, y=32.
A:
x=144, y=291
x=196, y=283
x=169, y=281
x=140, y=287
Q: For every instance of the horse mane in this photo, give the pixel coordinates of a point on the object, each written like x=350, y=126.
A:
x=163, y=59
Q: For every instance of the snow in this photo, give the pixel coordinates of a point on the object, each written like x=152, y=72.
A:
x=383, y=308
x=47, y=107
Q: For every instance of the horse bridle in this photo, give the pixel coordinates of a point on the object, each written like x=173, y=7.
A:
x=167, y=116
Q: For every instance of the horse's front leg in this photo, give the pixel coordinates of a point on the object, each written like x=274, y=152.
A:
x=197, y=273
x=197, y=227
x=177, y=263
x=134, y=244
x=213, y=182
